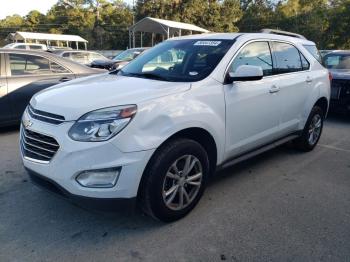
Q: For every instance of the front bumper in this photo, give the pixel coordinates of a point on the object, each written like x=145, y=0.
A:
x=74, y=157
x=105, y=204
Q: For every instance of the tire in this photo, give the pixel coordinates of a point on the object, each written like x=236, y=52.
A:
x=313, y=127
x=166, y=177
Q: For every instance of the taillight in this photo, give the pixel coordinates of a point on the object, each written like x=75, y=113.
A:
x=330, y=76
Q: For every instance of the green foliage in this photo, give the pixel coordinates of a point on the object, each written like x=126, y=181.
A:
x=105, y=23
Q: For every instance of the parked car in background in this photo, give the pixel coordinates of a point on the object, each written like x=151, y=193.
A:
x=157, y=129
x=24, y=73
x=338, y=64
x=119, y=60
x=325, y=52
x=26, y=46
x=81, y=57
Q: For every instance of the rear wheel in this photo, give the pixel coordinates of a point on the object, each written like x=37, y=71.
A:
x=174, y=180
x=312, y=130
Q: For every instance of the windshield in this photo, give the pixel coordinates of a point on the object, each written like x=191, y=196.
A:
x=9, y=45
x=337, y=61
x=127, y=55
x=179, y=60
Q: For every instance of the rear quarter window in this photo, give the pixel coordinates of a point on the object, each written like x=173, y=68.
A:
x=314, y=52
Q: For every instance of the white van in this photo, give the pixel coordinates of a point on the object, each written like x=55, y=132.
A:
x=27, y=46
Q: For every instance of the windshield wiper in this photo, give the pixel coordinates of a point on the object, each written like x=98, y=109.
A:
x=145, y=75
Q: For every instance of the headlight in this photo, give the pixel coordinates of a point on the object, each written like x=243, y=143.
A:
x=103, y=124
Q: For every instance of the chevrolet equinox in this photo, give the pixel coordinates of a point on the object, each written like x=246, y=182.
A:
x=153, y=132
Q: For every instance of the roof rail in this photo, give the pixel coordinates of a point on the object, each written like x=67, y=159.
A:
x=280, y=32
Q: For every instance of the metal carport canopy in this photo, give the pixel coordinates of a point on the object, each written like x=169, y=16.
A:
x=164, y=27
x=49, y=37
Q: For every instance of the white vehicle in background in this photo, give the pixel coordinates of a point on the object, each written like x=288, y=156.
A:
x=26, y=46
x=154, y=133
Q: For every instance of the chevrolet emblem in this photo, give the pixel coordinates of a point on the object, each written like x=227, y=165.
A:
x=27, y=123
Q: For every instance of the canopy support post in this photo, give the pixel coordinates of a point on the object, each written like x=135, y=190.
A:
x=168, y=33
x=77, y=44
x=152, y=39
x=85, y=45
x=129, y=39
x=141, y=39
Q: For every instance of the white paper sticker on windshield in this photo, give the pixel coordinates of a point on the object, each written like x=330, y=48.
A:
x=208, y=43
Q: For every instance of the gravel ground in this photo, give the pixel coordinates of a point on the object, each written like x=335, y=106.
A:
x=281, y=206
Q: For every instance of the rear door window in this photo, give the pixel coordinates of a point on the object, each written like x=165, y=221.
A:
x=314, y=52
x=287, y=58
x=21, y=47
x=22, y=64
x=35, y=47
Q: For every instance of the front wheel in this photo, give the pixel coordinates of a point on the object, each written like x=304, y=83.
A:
x=174, y=180
x=312, y=130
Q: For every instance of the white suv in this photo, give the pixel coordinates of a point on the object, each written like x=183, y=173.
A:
x=155, y=131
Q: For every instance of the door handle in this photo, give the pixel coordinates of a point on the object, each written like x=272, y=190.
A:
x=308, y=79
x=64, y=79
x=274, y=89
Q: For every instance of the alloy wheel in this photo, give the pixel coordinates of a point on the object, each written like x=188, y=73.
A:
x=315, y=129
x=182, y=182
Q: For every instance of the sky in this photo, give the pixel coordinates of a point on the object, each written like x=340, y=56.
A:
x=22, y=7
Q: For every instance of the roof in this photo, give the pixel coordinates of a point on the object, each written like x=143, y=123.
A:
x=161, y=26
x=50, y=37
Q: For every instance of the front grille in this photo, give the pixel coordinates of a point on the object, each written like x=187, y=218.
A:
x=340, y=88
x=37, y=146
x=45, y=116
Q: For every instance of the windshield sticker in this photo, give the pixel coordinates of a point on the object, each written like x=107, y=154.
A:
x=193, y=73
x=208, y=43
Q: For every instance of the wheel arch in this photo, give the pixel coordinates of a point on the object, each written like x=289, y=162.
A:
x=200, y=135
x=323, y=104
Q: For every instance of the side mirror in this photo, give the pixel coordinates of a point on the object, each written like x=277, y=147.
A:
x=245, y=73
x=135, y=54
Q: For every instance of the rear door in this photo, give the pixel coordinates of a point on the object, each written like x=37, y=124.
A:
x=5, y=110
x=29, y=74
x=294, y=83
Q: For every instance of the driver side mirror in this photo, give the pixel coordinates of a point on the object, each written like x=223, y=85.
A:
x=245, y=73
x=135, y=54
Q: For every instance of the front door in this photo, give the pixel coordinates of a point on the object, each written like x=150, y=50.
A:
x=252, y=107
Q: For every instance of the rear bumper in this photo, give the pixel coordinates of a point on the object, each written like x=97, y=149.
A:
x=340, y=105
x=104, y=204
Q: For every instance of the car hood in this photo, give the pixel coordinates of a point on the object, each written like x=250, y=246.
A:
x=77, y=97
x=340, y=73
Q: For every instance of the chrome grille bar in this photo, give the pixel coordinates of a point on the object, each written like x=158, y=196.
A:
x=38, y=147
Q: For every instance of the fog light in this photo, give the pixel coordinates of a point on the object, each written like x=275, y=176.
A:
x=99, y=178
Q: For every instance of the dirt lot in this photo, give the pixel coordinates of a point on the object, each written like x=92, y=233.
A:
x=280, y=206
